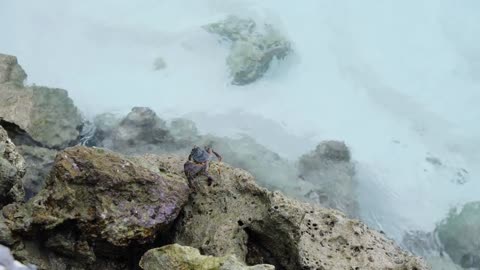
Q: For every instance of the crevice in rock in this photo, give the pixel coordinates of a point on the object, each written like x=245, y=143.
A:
x=18, y=135
x=259, y=251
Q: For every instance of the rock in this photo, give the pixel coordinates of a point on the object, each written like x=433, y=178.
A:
x=236, y=216
x=330, y=169
x=12, y=169
x=459, y=234
x=180, y=257
x=141, y=131
x=47, y=115
x=108, y=197
x=10, y=70
x=7, y=262
x=39, y=162
x=253, y=47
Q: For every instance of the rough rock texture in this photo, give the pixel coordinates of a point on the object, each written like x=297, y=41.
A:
x=459, y=234
x=235, y=216
x=8, y=263
x=12, y=169
x=188, y=258
x=10, y=70
x=108, y=197
x=48, y=115
x=39, y=162
x=95, y=205
x=330, y=169
x=253, y=47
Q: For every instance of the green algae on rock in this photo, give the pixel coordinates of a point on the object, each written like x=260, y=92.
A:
x=187, y=258
x=253, y=47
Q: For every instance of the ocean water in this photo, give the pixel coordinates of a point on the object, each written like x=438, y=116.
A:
x=398, y=81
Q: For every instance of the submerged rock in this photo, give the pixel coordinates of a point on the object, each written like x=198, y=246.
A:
x=235, y=216
x=459, y=234
x=10, y=70
x=188, y=258
x=253, y=47
x=330, y=169
x=12, y=169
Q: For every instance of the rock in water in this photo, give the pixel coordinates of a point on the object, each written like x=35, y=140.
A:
x=48, y=115
x=253, y=47
x=460, y=235
x=12, y=169
x=107, y=197
x=329, y=168
x=236, y=216
x=10, y=70
x=188, y=258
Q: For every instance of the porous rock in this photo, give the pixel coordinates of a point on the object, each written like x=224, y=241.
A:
x=236, y=216
x=180, y=257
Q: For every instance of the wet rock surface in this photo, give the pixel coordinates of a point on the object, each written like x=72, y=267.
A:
x=181, y=257
x=330, y=169
x=236, y=216
x=253, y=47
x=12, y=169
x=459, y=235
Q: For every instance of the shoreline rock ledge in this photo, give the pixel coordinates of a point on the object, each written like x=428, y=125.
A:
x=103, y=210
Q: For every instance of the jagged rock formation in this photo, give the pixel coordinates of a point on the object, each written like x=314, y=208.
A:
x=97, y=205
x=459, y=234
x=236, y=216
x=253, y=47
x=330, y=169
x=39, y=120
x=188, y=258
x=96, y=202
x=47, y=115
x=10, y=70
x=12, y=169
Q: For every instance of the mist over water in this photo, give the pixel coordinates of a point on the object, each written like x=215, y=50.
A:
x=398, y=81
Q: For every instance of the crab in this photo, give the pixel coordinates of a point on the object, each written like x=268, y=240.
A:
x=198, y=163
